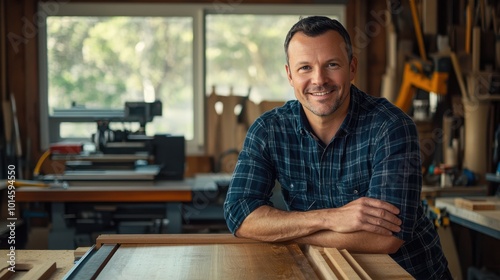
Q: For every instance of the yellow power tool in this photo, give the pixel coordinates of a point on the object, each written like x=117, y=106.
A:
x=431, y=78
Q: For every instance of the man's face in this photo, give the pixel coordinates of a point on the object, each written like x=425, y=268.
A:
x=320, y=72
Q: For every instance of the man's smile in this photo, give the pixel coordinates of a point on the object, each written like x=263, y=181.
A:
x=320, y=93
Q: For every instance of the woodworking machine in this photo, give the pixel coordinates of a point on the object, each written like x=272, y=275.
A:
x=123, y=154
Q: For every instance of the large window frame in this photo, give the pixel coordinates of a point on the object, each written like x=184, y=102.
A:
x=196, y=146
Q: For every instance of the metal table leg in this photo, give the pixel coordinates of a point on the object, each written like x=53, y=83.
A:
x=60, y=236
x=174, y=216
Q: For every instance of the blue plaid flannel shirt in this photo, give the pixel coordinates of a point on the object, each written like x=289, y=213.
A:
x=375, y=154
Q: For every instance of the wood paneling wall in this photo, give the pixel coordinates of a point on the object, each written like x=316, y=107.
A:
x=21, y=48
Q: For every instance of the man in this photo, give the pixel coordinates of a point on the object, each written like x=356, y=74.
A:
x=348, y=163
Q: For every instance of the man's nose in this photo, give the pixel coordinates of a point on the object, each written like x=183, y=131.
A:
x=320, y=76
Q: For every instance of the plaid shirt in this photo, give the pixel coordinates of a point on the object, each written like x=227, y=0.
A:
x=375, y=154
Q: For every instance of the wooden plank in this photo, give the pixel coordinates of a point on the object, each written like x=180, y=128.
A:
x=343, y=267
x=5, y=273
x=475, y=204
x=319, y=263
x=460, y=77
x=430, y=17
x=228, y=122
x=204, y=261
x=34, y=271
x=171, y=239
x=302, y=262
x=40, y=271
x=381, y=266
x=476, y=49
x=212, y=124
x=29, y=258
x=355, y=265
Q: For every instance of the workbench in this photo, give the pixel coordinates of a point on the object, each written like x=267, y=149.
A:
x=476, y=233
x=484, y=221
x=430, y=193
x=211, y=256
x=169, y=193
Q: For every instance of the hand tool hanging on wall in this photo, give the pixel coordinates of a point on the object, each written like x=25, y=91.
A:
x=242, y=116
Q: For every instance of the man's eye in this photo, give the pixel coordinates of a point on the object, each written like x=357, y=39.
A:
x=304, y=68
x=333, y=65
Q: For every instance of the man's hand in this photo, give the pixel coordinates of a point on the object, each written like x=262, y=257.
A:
x=367, y=214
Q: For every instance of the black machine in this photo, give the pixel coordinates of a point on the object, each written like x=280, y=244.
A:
x=118, y=150
x=142, y=112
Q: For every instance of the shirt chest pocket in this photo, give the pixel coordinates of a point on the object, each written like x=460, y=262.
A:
x=294, y=193
x=352, y=187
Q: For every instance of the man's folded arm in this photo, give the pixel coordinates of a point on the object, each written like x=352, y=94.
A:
x=365, y=225
x=354, y=242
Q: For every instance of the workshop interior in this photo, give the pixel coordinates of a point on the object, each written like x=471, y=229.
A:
x=127, y=117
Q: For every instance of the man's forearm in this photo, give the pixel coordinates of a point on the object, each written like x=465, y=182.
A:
x=360, y=241
x=270, y=224
x=362, y=215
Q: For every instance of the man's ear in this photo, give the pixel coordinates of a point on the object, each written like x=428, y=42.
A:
x=353, y=68
x=289, y=74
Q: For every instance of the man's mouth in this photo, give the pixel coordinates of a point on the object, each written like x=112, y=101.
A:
x=320, y=93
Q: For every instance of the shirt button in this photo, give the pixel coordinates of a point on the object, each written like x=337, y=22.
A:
x=355, y=191
x=291, y=186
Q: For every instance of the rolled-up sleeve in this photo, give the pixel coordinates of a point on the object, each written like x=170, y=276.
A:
x=397, y=175
x=253, y=178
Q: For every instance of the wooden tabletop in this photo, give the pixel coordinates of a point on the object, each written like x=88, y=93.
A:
x=64, y=260
x=213, y=256
x=223, y=256
x=164, y=191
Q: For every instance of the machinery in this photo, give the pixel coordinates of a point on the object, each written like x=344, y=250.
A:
x=106, y=139
x=422, y=75
x=124, y=159
x=123, y=154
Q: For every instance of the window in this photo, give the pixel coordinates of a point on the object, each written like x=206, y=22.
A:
x=98, y=56
x=97, y=62
x=246, y=56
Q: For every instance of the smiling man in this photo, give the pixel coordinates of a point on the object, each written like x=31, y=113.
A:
x=348, y=163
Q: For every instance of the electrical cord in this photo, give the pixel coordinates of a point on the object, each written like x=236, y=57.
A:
x=38, y=166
